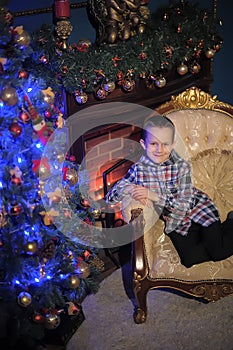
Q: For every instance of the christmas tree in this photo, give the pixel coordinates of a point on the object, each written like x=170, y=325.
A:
x=47, y=263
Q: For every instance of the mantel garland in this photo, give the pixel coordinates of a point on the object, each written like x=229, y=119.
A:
x=177, y=36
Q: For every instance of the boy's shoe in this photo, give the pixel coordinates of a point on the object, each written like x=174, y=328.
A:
x=230, y=215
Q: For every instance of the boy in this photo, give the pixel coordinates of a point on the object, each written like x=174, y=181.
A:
x=162, y=179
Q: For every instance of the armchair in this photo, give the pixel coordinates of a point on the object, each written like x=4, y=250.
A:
x=205, y=127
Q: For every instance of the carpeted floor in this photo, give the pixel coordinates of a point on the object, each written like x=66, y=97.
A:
x=174, y=322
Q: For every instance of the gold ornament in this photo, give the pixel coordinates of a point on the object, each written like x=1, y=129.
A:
x=41, y=191
x=9, y=96
x=31, y=247
x=101, y=94
x=74, y=281
x=71, y=177
x=24, y=299
x=48, y=216
x=128, y=85
x=55, y=197
x=194, y=68
x=210, y=53
x=83, y=269
x=182, y=69
x=44, y=172
x=48, y=96
x=81, y=97
x=217, y=47
x=72, y=309
x=96, y=213
x=3, y=215
x=52, y=321
x=160, y=82
x=22, y=39
x=109, y=86
x=60, y=157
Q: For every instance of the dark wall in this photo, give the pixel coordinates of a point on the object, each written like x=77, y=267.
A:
x=223, y=60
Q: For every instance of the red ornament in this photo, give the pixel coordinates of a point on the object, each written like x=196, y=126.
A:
x=72, y=158
x=23, y=74
x=143, y=55
x=62, y=9
x=197, y=53
x=15, y=129
x=16, y=180
x=44, y=59
x=179, y=30
x=24, y=116
x=115, y=60
x=15, y=209
x=47, y=114
x=38, y=318
x=86, y=254
x=65, y=69
x=120, y=78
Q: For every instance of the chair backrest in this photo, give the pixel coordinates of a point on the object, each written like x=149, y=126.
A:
x=204, y=136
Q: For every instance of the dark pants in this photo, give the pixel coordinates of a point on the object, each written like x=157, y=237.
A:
x=212, y=243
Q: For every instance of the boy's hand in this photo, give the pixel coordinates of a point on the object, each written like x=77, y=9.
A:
x=143, y=195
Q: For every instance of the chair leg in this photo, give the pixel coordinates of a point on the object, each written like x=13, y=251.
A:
x=140, y=312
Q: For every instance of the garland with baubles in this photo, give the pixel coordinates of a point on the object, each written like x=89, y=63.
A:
x=177, y=36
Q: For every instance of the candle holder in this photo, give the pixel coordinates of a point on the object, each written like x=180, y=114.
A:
x=63, y=26
x=63, y=29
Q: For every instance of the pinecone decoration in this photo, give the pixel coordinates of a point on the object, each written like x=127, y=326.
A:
x=48, y=250
x=98, y=263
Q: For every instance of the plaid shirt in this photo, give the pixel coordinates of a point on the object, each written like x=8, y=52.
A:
x=178, y=200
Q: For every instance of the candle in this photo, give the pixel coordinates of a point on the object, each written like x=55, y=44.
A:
x=62, y=8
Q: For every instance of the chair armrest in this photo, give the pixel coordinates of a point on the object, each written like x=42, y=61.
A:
x=138, y=254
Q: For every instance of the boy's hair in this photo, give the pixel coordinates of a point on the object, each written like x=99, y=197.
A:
x=159, y=121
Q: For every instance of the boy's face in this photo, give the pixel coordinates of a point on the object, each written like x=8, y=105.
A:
x=158, y=143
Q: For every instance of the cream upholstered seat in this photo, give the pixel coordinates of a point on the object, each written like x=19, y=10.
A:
x=205, y=137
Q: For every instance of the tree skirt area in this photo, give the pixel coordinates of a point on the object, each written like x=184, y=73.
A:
x=174, y=322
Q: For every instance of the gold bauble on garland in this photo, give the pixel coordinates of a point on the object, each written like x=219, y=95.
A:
x=128, y=85
x=101, y=93
x=194, y=68
x=109, y=86
x=160, y=82
x=81, y=97
x=182, y=69
x=210, y=53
